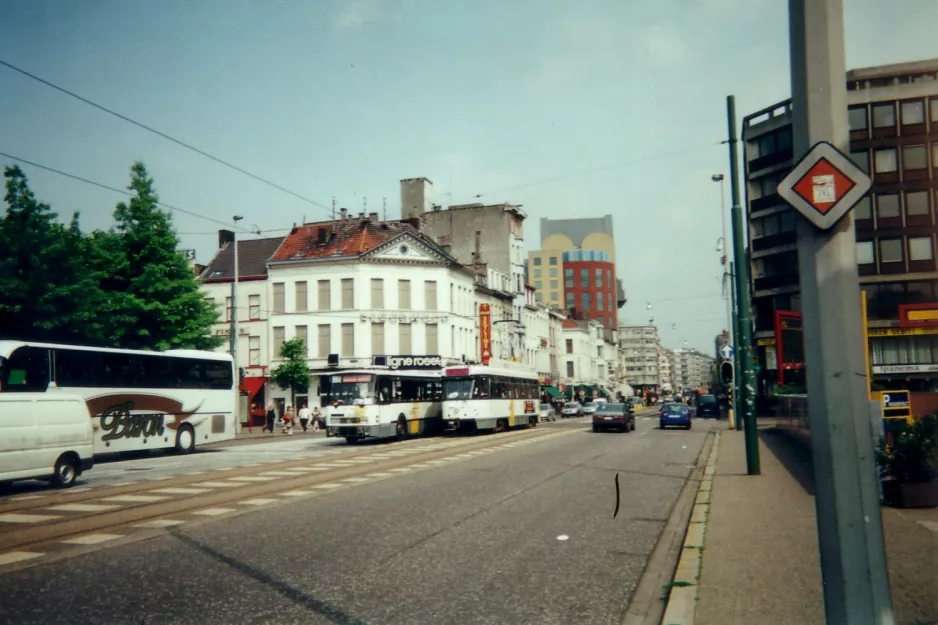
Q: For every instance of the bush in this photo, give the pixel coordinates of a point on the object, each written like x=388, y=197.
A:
x=912, y=456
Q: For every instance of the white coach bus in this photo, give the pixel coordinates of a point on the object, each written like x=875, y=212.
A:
x=484, y=398
x=370, y=403
x=137, y=399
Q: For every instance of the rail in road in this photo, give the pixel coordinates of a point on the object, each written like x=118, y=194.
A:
x=42, y=528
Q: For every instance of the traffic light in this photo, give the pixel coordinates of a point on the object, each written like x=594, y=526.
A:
x=726, y=372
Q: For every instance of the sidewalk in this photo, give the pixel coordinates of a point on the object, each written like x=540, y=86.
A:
x=760, y=560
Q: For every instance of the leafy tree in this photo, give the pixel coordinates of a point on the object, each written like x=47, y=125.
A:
x=45, y=291
x=153, y=286
x=293, y=372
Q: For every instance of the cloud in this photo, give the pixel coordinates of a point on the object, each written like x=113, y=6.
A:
x=664, y=45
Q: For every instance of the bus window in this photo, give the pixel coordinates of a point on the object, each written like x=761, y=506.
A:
x=118, y=370
x=76, y=368
x=218, y=375
x=26, y=370
x=154, y=372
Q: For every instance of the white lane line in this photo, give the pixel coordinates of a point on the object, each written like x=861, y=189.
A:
x=125, y=483
x=219, y=484
x=25, y=497
x=400, y=470
x=213, y=511
x=294, y=493
x=159, y=523
x=92, y=539
x=355, y=479
x=419, y=466
x=27, y=518
x=162, y=477
x=352, y=461
x=256, y=502
x=330, y=465
x=379, y=475
x=18, y=556
x=183, y=491
x=306, y=469
x=80, y=489
x=252, y=478
x=134, y=498
x=82, y=507
x=327, y=486
x=281, y=473
x=195, y=473
x=225, y=469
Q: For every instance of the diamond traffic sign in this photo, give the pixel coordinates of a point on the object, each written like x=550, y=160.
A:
x=726, y=351
x=824, y=185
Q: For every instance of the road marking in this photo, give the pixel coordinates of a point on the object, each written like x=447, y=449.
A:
x=281, y=473
x=195, y=473
x=225, y=469
x=355, y=479
x=213, y=511
x=401, y=470
x=92, y=539
x=327, y=486
x=125, y=483
x=330, y=466
x=378, y=475
x=17, y=556
x=134, y=498
x=27, y=518
x=81, y=489
x=350, y=462
x=25, y=497
x=256, y=502
x=295, y=493
x=159, y=523
x=252, y=478
x=219, y=484
x=82, y=507
x=419, y=466
x=183, y=491
x=305, y=469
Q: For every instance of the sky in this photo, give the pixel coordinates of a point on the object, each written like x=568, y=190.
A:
x=567, y=107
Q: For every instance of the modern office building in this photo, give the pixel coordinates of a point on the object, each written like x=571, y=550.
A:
x=893, y=120
x=641, y=346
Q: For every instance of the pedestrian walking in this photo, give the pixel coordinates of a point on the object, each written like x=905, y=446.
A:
x=304, y=416
x=317, y=417
x=271, y=418
x=288, y=421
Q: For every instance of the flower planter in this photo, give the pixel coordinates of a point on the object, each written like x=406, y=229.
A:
x=910, y=494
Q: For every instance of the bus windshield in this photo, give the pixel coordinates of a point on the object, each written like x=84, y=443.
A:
x=457, y=388
x=349, y=387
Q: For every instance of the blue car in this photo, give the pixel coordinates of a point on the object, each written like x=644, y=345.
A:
x=674, y=414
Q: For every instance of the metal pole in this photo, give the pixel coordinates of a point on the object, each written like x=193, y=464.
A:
x=728, y=294
x=233, y=330
x=747, y=378
x=737, y=356
x=849, y=521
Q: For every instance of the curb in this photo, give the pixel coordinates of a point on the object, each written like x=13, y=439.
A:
x=682, y=598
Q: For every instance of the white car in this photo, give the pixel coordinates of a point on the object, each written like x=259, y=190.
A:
x=589, y=408
x=547, y=412
x=572, y=409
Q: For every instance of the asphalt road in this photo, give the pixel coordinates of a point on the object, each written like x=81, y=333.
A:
x=523, y=534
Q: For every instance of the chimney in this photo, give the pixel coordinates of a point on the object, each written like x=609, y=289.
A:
x=343, y=214
x=373, y=217
x=225, y=237
x=416, y=197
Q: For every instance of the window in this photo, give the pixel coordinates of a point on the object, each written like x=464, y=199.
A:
x=584, y=278
x=538, y=297
x=863, y=209
x=609, y=278
x=569, y=369
x=914, y=157
x=324, y=301
x=783, y=139
x=403, y=297
x=599, y=278
x=404, y=339
x=432, y=339
x=913, y=112
x=553, y=260
x=348, y=293
x=920, y=248
x=766, y=144
x=377, y=339
x=890, y=250
x=254, y=351
x=585, y=301
x=537, y=261
x=278, y=341
x=302, y=333
x=27, y=370
x=856, y=118
x=916, y=203
x=377, y=293
x=599, y=302
x=552, y=273
x=348, y=340
x=886, y=161
x=934, y=109
x=569, y=345
x=887, y=206
x=569, y=300
x=568, y=278
x=861, y=160
x=302, y=302
x=537, y=273
x=325, y=340
x=430, y=296
x=884, y=116
x=538, y=284
x=553, y=284
x=279, y=304
x=865, y=253
x=227, y=309
x=254, y=306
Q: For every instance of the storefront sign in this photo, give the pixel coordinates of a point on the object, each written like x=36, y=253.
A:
x=485, y=332
x=924, y=368
x=918, y=315
x=415, y=362
x=901, y=331
x=765, y=342
x=227, y=331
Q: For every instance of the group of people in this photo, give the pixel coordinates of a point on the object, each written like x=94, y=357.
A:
x=305, y=416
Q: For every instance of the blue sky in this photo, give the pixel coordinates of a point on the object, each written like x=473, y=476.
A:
x=513, y=100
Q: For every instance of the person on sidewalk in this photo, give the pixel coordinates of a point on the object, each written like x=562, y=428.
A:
x=288, y=421
x=271, y=418
x=304, y=416
x=317, y=417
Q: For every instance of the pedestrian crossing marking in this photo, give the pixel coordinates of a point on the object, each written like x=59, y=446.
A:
x=257, y=502
x=82, y=507
x=213, y=511
x=13, y=557
x=134, y=498
x=92, y=539
x=27, y=518
x=159, y=523
x=183, y=491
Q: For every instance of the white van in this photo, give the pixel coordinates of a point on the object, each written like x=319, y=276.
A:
x=44, y=436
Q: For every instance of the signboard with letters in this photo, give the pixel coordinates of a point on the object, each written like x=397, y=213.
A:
x=918, y=315
x=410, y=362
x=485, y=332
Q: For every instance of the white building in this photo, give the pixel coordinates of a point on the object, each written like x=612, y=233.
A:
x=641, y=345
x=664, y=370
x=589, y=357
x=691, y=369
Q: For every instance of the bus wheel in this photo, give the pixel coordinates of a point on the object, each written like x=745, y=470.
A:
x=66, y=471
x=401, y=428
x=185, y=439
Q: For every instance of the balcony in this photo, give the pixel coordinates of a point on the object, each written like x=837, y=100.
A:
x=766, y=201
x=774, y=240
x=780, y=156
x=775, y=282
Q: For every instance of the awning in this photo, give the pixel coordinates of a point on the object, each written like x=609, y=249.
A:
x=553, y=392
x=252, y=385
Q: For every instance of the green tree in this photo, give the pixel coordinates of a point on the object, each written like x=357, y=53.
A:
x=153, y=285
x=45, y=291
x=293, y=373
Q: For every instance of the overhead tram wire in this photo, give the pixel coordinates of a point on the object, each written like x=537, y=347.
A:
x=116, y=190
x=165, y=136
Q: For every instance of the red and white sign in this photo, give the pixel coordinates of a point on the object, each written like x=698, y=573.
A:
x=824, y=185
x=485, y=332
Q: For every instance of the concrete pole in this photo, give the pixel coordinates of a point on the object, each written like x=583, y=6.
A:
x=850, y=531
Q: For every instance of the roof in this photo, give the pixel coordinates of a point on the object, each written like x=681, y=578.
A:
x=344, y=238
x=253, y=255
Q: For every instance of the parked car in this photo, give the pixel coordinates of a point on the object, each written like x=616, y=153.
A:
x=572, y=409
x=674, y=413
x=547, y=412
x=613, y=416
x=45, y=436
x=590, y=408
x=708, y=406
